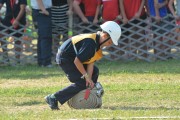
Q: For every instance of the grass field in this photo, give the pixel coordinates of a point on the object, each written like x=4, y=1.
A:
x=133, y=90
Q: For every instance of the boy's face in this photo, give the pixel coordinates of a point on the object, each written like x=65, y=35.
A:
x=109, y=42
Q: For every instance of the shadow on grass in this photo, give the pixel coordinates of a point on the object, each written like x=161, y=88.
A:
x=28, y=72
x=30, y=103
x=140, y=108
x=136, y=67
x=28, y=76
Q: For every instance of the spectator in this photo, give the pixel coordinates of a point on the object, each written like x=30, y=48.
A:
x=91, y=7
x=41, y=13
x=176, y=14
x=132, y=10
x=110, y=12
x=60, y=11
x=16, y=17
x=91, y=11
x=158, y=11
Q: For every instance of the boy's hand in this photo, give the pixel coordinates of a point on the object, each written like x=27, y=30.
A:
x=89, y=82
x=45, y=12
x=158, y=18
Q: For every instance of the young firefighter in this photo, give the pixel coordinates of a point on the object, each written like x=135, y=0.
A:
x=76, y=57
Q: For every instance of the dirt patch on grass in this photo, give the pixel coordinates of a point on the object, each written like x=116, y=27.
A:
x=25, y=108
x=29, y=83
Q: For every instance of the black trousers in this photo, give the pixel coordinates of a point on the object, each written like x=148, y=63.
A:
x=44, y=46
x=74, y=76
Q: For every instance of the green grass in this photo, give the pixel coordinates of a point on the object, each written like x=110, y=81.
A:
x=132, y=89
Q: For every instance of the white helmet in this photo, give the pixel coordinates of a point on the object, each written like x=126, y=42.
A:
x=113, y=29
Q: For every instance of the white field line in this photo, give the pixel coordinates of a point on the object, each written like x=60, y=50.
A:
x=155, y=117
x=143, y=117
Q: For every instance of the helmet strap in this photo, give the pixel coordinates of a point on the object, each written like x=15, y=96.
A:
x=104, y=41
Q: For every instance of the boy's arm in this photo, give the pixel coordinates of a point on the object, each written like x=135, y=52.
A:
x=79, y=12
x=138, y=14
x=170, y=5
x=160, y=5
x=119, y=17
x=97, y=14
x=157, y=17
x=86, y=74
x=147, y=7
x=121, y=4
x=20, y=14
x=41, y=6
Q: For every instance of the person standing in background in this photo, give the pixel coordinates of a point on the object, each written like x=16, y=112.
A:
x=59, y=15
x=158, y=10
x=91, y=8
x=110, y=10
x=176, y=13
x=15, y=16
x=41, y=13
x=90, y=14
x=132, y=10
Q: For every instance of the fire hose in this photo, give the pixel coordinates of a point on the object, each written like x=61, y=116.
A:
x=88, y=99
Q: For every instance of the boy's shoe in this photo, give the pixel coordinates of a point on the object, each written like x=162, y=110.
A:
x=53, y=103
